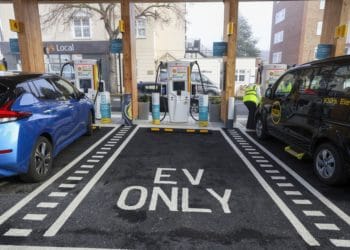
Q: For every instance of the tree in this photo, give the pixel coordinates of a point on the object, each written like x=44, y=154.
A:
x=246, y=43
x=109, y=13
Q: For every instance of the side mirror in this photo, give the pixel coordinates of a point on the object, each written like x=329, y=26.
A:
x=268, y=93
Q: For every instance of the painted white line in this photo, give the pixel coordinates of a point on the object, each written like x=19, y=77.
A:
x=23, y=247
x=81, y=172
x=278, y=177
x=3, y=183
x=313, y=213
x=272, y=171
x=93, y=161
x=285, y=185
x=262, y=161
x=101, y=153
x=105, y=148
x=296, y=193
x=47, y=204
x=250, y=149
x=112, y=142
x=266, y=165
x=257, y=157
x=109, y=145
x=67, y=185
x=87, y=166
x=114, y=139
x=98, y=156
x=302, y=202
x=340, y=213
x=58, y=194
x=5, y=216
x=247, y=146
x=326, y=226
x=299, y=227
x=16, y=232
x=74, y=178
x=253, y=153
x=36, y=217
x=340, y=243
x=56, y=226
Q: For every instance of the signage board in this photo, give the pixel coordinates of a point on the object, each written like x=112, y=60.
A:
x=116, y=46
x=220, y=49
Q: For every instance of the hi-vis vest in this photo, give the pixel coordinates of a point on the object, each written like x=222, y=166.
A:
x=250, y=95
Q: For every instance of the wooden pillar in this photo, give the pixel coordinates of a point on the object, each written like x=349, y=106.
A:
x=340, y=43
x=29, y=38
x=129, y=53
x=230, y=16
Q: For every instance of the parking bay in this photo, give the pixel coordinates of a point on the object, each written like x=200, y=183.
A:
x=167, y=190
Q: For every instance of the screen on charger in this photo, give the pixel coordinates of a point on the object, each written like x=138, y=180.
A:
x=85, y=84
x=179, y=86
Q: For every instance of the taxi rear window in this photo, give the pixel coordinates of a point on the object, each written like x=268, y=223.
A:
x=4, y=94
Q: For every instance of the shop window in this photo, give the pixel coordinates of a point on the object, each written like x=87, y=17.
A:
x=280, y=16
x=141, y=27
x=81, y=27
x=278, y=37
x=277, y=57
x=241, y=78
x=319, y=28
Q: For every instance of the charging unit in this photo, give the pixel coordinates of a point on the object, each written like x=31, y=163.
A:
x=179, y=91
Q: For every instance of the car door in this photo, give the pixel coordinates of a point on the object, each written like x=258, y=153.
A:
x=55, y=109
x=281, y=104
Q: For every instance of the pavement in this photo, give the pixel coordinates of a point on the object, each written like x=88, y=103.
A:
x=128, y=187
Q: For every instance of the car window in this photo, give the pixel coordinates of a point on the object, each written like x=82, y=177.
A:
x=339, y=82
x=65, y=88
x=45, y=90
x=285, y=85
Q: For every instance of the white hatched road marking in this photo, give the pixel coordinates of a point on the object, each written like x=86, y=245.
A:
x=61, y=220
x=278, y=177
x=106, y=148
x=112, y=142
x=67, y=185
x=114, y=139
x=246, y=146
x=302, y=202
x=74, y=178
x=285, y=185
x=340, y=213
x=296, y=223
x=81, y=172
x=101, y=153
x=272, y=171
x=109, y=145
x=58, y=194
x=250, y=149
x=262, y=161
x=340, y=243
x=313, y=213
x=87, y=166
x=253, y=153
x=13, y=247
x=36, y=217
x=98, y=156
x=16, y=232
x=258, y=157
x=327, y=226
x=47, y=204
x=5, y=216
x=93, y=161
x=297, y=193
x=266, y=165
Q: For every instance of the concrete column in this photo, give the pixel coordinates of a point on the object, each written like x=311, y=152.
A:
x=230, y=15
x=29, y=38
x=129, y=53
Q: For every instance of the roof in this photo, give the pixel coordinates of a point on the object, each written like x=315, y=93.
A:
x=335, y=60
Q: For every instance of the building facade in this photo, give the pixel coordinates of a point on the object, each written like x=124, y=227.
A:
x=296, y=31
x=84, y=37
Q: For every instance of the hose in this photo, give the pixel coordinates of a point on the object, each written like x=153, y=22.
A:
x=204, y=90
x=160, y=90
x=71, y=63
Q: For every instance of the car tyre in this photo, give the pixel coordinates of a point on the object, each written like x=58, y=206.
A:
x=260, y=129
x=89, y=125
x=329, y=165
x=41, y=160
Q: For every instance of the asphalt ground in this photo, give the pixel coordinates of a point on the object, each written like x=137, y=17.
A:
x=175, y=191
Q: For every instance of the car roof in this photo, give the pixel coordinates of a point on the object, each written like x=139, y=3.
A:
x=12, y=79
x=328, y=61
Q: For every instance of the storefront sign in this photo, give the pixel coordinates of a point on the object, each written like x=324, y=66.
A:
x=14, y=47
x=117, y=46
x=220, y=49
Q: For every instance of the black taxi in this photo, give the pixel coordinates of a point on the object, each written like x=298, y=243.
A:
x=308, y=108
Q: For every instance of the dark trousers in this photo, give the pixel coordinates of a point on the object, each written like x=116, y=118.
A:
x=252, y=108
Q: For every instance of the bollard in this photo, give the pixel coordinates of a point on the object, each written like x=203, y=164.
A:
x=105, y=107
x=203, y=110
x=155, y=108
x=230, y=113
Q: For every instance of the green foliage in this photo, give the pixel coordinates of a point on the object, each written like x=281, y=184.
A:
x=246, y=43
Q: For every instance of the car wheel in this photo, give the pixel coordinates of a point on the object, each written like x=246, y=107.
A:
x=89, y=127
x=260, y=129
x=329, y=164
x=40, y=161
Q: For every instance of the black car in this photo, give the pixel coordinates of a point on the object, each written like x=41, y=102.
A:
x=309, y=109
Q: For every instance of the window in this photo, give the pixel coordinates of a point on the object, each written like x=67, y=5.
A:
x=277, y=57
x=81, y=26
x=45, y=90
x=285, y=85
x=280, y=16
x=339, y=83
x=319, y=28
x=65, y=88
x=241, y=78
x=322, y=4
x=278, y=38
x=141, y=27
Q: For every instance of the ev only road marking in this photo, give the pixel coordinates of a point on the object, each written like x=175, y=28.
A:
x=61, y=220
x=335, y=209
x=296, y=223
x=5, y=216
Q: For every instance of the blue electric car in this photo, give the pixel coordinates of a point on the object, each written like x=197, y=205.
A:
x=39, y=116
